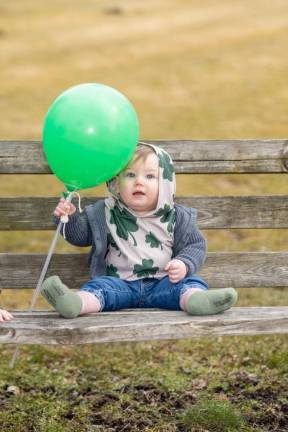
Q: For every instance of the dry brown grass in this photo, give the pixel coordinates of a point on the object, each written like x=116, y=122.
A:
x=192, y=69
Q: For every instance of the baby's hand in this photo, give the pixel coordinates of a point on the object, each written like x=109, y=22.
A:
x=5, y=315
x=176, y=269
x=64, y=207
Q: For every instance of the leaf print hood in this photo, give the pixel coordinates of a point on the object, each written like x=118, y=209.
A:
x=167, y=182
x=140, y=246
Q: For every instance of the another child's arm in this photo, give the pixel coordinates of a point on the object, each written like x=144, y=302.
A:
x=77, y=229
x=5, y=315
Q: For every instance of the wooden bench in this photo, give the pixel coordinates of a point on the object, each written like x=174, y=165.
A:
x=237, y=269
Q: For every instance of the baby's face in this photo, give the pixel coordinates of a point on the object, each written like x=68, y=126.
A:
x=138, y=184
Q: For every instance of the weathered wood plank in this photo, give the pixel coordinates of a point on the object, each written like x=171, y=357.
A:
x=23, y=157
x=35, y=213
x=213, y=156
x=221, y=269
x=139, y=325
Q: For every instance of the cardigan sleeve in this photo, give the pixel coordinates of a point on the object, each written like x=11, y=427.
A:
x=77, y=229
x=190, y=245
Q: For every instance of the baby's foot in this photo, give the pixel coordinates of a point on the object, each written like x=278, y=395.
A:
x=66, y=302
x=211, y=302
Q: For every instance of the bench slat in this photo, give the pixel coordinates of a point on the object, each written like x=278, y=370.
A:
x=139, y=325
x=35, y=213
x=221, y=269
x=213, y=156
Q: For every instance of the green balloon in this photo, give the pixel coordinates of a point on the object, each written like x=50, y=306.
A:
x=90, y=133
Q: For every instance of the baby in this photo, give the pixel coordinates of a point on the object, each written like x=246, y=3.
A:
x=145, y=249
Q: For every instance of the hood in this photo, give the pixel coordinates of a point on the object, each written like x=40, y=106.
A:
x=167, y=182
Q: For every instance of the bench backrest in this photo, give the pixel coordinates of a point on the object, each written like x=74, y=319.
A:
x=237, y=269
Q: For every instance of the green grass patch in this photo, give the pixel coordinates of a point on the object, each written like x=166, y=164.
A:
x=212, y=415
x=279, y=361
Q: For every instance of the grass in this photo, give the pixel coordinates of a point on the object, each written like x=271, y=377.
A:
x=210, y=384
x=214, y=415
x=211, y=70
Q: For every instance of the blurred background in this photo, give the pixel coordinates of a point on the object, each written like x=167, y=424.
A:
x=192, y=70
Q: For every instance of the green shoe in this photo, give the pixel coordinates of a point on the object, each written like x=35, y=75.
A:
x=211, y=302
x=66, y=302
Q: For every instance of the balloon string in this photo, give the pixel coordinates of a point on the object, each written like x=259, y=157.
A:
x=39, y=284
x=64, y=230
x=79, y=201
x=41, y=278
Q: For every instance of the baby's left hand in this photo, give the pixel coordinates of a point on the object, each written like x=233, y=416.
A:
x=176, y=269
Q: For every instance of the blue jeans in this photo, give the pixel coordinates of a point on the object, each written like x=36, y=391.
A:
x=114, y=294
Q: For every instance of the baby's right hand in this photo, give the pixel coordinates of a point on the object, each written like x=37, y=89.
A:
x=64, y=207
x=5, y=315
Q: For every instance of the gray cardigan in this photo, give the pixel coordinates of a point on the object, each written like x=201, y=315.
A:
x=89, y=229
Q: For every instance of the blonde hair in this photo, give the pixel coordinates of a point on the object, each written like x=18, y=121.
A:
x=141, y=153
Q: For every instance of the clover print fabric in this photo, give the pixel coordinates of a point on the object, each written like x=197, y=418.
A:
x=141, y=246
